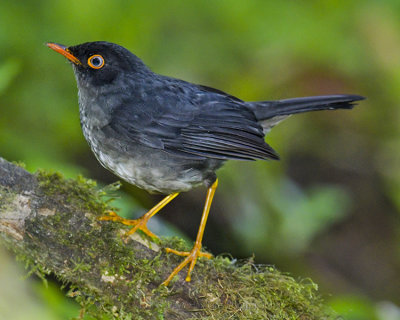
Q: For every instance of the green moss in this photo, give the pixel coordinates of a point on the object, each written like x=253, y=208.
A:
x=83, y=194
x=257, y=292
x=19, y=164
x=110, y=280
x=80, y=192
x=6, y=197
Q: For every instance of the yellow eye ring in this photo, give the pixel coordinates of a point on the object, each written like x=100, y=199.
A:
x=96, y=61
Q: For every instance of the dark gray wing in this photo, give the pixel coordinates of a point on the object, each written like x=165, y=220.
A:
x=200, y=126
x=224, y=131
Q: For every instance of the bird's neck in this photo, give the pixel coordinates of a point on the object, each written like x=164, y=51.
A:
x=92, y=107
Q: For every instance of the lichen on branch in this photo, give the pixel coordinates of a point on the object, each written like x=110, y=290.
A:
x=51, y=223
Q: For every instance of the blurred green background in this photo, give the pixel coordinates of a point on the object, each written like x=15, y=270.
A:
x=329, y=210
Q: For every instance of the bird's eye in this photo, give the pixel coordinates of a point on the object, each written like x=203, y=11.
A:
x=96, y=61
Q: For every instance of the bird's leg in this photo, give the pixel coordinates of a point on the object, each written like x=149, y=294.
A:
x=140, y=223
x=191, y=257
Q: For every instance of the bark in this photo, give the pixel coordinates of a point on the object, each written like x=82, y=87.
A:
x=52, y=224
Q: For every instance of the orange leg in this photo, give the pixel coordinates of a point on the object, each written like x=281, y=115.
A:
x=195, y=252
x=141, y=223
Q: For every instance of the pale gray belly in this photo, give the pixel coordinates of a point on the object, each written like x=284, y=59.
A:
x=147, y=168
x=150, y=174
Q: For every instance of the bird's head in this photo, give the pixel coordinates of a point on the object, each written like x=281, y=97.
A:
x=100, y=63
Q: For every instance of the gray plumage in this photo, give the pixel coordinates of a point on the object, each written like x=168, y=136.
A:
x=167, y=135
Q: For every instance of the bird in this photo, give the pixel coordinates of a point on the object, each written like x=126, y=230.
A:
x=167, y=135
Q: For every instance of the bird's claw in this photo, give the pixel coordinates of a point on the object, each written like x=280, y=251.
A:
x=111, y=216
x=137, y=224
x=191, y=257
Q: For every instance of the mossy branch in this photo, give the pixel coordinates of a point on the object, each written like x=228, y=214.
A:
x=52, y=224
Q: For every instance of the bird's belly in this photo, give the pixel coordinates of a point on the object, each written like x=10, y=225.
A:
x=153, y=176
x=153, y=170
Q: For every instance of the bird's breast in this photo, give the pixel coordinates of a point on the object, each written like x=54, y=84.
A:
x=147, y=168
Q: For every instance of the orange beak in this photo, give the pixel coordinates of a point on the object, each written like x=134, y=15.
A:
x=64, y=51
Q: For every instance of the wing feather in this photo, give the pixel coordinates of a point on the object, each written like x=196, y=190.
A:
x=208, y=126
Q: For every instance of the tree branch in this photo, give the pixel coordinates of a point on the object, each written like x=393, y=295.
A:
x=52, y=224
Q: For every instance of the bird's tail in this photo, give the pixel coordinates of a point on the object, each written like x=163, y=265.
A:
x=268, y=109
x=269, y=113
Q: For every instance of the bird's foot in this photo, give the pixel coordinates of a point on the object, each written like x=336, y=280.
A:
x=191, y=257
x=137, y=224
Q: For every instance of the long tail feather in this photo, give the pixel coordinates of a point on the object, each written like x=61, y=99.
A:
x=269, y=109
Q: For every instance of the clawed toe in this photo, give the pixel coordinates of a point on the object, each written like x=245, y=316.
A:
x=142, y=226
x=187, y=253
x=111, y=216
x=137, y=224
x=191, y=257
